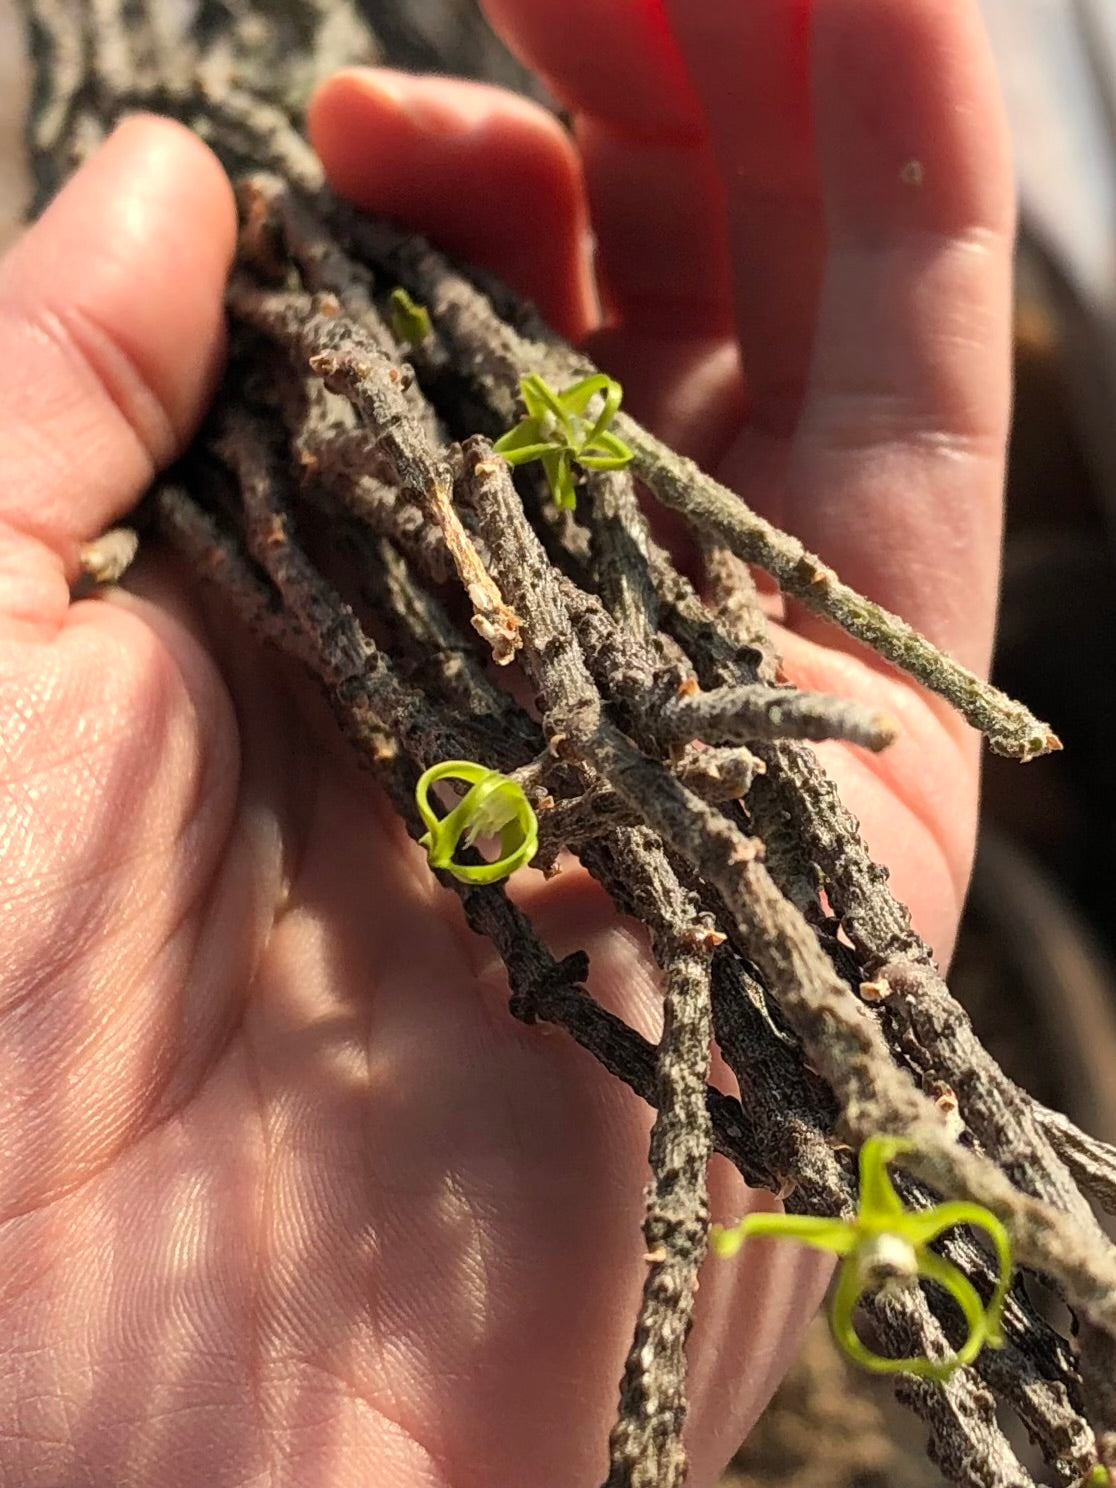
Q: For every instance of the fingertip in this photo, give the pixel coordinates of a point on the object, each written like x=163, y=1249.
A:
x=182, y=190
x=917, y=137
x=157, y=144
x=137, y=248
x=111, y=329
x=617, y=62
x=910, y=379
x=489, y=176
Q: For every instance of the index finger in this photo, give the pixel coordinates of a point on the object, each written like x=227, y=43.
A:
x=894, y=471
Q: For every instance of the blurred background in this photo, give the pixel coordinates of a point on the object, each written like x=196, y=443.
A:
x=1036, y=963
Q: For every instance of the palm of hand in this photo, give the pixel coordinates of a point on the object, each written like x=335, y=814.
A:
x=285, y=1178
x=287, y=1194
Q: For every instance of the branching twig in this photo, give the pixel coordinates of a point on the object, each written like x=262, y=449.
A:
x=351, y=363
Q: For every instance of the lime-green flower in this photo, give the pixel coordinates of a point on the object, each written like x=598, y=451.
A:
x=887, y=1245
x=494, y=806
x=410, y=322
x=558, y=431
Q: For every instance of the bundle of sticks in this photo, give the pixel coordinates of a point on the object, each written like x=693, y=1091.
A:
x=345, y=499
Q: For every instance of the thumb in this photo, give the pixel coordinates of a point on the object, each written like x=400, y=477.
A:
x=111, y=334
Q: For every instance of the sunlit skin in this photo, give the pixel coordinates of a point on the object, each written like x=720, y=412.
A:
x=286, y=1196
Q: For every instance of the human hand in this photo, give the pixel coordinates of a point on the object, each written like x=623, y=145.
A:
x=286, y=1194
